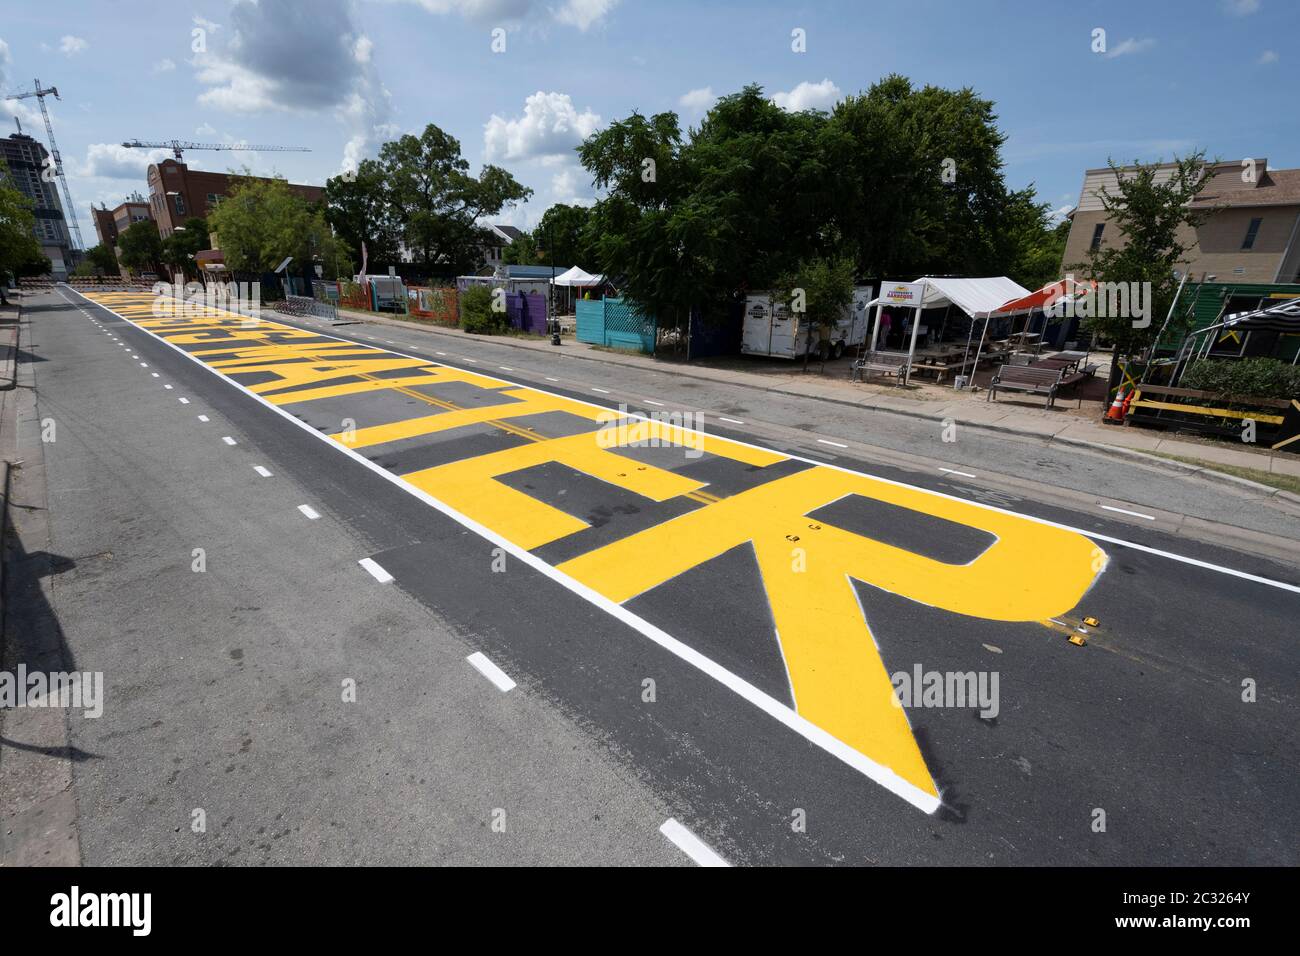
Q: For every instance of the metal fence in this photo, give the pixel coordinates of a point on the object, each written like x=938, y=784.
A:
x=307, y=305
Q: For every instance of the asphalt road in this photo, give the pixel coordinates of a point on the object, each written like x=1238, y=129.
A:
x=705, y=633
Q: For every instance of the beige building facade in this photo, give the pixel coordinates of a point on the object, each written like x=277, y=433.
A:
x=1250, y=230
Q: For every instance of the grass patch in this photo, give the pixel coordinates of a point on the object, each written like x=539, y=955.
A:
x=1289, y=483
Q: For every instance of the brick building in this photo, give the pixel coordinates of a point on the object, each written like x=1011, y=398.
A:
x=177, y=193
x=111, y=223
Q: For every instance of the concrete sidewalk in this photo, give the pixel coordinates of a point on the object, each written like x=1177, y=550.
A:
x=1005, y=415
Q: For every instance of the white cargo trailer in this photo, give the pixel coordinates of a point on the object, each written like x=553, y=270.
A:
x=772, y=329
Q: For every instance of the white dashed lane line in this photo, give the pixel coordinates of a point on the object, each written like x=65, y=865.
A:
x=203, y=418
x=309, y=511
x=833, y=444
x=690, y=844
x=603, y=391
x=496, y=675
x=649, y=401
x=264, y=472
x=954, y=471
x=734, y=421
x=1125, y=511
x=227, y=439
x=377, y=572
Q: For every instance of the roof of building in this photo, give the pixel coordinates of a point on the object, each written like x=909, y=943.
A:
x=510, y=232
x=534, y=272
x=1274, y=187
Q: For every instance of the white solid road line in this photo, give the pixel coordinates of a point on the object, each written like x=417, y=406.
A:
x=1125, y=511
x=309, y=511
x=489, y=670
x=262, y=471
x=954, y=471
x=227, y=439
x=835, y=444
x=377, y=572
x=690, y=844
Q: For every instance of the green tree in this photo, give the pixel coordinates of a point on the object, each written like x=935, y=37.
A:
x=360, y=209
x=563, y=237
x=522, y=252
x=819, y=289
x=1154, y=220
x=262, y=221
x=437, y=203
x=476, y=313
x=919, y=181
x=180, y=248
x=19, y=250
x=100, y=260
x=140, y=246
x=1029, y=245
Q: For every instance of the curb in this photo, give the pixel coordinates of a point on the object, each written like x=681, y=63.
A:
x=9, y=359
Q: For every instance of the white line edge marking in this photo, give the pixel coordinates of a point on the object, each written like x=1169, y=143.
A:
x=690, y=844
x=734, y=421
x=603, y=391
x=954, y=471
x=377, y=572
x=265, y=473
x=505, y=368
x=480, y=662
x=835, y=444
x=549, y=379
x=1125, y=511
x=309, y=511
x=764, y=702
x=651, y=401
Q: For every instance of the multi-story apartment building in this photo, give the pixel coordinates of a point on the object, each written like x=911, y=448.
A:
x=25, y=159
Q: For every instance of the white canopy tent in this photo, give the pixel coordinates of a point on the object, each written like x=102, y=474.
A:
x=577, y=277
x=979, y=296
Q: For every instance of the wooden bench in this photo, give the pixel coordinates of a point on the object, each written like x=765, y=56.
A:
x=882, y=363
x=1077, y=376
x=1022, y=378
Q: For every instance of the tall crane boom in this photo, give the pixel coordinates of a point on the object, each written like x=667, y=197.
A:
x=70, y=215
x=179, y=146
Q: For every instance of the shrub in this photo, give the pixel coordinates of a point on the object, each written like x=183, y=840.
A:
x=476, y=313
x=1245, y=378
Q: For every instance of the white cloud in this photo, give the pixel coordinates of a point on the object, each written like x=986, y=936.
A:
x=165, y=65
x=808, y=96
x=19, y=108
x=206, y=24
x=1131, y=45
x=582, y=13
x=207, y=129
x=1240, y=8
x=697, y=101
x=255, y=70
x=115, y=161
x=565, y=185
x=70, y=45
x=1267, y=57
x=550, y=126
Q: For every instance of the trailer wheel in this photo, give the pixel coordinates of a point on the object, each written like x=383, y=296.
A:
x=839, y=350
x=823, y=351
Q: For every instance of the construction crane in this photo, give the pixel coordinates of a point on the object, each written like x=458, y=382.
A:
x=179, y=146
x=70, y=214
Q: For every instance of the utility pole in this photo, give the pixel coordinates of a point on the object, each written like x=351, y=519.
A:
x=70, y=213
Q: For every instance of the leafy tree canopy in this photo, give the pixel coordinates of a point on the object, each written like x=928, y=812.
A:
x=262, y=221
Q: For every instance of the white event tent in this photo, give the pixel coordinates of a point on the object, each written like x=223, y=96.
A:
x=976, y=297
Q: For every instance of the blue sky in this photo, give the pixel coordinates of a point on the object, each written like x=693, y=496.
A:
x=340, y=76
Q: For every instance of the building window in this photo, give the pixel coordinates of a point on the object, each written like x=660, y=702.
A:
x=1097, y=230
x=180, y=205
x=1251, y=232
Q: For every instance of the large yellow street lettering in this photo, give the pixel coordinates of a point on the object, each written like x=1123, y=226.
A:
x=1031, y=571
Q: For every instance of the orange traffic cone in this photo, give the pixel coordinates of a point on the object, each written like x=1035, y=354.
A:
x=1116, y=413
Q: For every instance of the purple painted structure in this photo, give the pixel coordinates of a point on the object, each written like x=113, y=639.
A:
x=526, y=312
